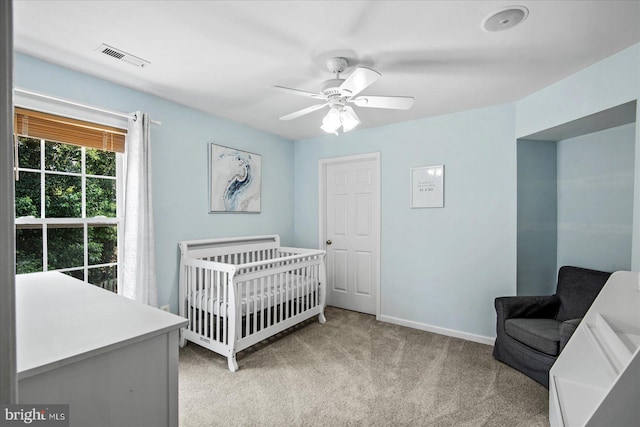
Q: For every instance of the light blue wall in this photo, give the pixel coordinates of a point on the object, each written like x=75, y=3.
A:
x=439, y=267
x=179, y=157
x=537, y=217
x=595, y=199
x=606, y=84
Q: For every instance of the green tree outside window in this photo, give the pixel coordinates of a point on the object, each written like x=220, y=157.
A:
x=51, y=180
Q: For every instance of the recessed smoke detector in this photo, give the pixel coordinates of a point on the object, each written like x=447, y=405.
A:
x=122, y=55
x=505, y=19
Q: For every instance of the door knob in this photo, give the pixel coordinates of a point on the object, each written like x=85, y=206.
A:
x=329, y=242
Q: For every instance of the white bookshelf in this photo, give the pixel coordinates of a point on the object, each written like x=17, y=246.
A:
x=596, y=379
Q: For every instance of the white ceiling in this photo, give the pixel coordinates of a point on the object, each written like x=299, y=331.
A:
x=221, y=56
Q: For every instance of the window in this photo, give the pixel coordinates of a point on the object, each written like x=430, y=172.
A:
x=66, y=194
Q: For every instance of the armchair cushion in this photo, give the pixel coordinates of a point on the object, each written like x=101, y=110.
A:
x=541, y=334
x=567, y=328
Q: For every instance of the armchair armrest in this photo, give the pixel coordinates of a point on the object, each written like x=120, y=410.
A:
x=540, y=307
x=567, y=328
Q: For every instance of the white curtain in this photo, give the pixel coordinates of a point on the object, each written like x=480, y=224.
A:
x=139, y=264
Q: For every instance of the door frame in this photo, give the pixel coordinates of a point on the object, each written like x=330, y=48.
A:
x=377, y=221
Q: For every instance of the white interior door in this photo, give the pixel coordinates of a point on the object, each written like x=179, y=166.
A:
x=351, y=215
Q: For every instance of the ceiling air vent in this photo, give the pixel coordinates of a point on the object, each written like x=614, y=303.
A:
x=122, y=56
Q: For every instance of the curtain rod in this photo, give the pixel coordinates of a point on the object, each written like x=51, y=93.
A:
x=78, y=104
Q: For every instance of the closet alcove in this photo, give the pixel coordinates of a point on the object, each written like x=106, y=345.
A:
x=575, y=187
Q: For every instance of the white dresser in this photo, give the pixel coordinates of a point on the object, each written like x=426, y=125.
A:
x=596, y=379
x=113, y=360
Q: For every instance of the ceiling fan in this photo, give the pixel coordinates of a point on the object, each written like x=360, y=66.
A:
x=339, y=92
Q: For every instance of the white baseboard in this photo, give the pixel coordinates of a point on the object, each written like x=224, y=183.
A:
x=438, y=330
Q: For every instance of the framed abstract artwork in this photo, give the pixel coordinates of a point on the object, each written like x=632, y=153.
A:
x=235, y=180
x=427, y=187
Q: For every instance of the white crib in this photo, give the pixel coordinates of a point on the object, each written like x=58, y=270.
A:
x=238, y=291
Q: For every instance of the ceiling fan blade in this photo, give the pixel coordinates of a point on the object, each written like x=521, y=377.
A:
x=302, y=112
x=359, y=80
x=299, y=92
x=392, y=102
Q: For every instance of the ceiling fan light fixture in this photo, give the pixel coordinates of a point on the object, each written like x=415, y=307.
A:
x=338, y=92
x=339, y=116
x=505, y=19
x=331, y=122
x=349, y=119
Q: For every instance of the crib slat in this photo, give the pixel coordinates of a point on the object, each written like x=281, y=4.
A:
x=203, y=301
x=294, y=292
x=299, y=289
x=255, y=305
x=214, y=300
x=305, y=289
x=270, y=305
x=222, y=300
x=263, y=304
x=211, y=301
x=199, y=294
x=293, y=279
x=309, y=283
x=246, y=307
x=190, y=302
x=281, y=295
x=194, y=292
x=319, y=287
x=289, y=295
x=304, y=285
x=203, y=306
x=224, y=305
x=312, y=281
x=296, y=282
x=217, y=330
x=316, y=280
x=197, y=299
x=315, y=286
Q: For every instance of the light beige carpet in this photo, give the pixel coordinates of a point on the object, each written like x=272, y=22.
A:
x=356, y=371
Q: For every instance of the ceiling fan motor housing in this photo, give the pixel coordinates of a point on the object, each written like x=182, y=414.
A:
x=331, y=87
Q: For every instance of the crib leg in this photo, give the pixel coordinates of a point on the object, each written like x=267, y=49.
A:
x=321, y=318
x=233, y=365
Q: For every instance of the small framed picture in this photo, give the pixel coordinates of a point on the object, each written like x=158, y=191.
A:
x=235, y=180
x=427, y=187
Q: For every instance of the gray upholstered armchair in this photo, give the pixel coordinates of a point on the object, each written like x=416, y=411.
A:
x=533, y=330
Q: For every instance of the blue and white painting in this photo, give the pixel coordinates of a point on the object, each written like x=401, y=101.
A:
x=235, y=180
